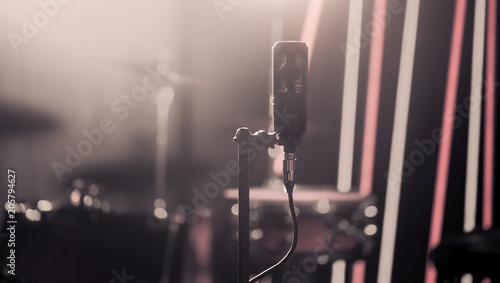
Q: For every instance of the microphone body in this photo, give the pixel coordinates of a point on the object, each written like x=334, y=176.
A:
x=290, y=70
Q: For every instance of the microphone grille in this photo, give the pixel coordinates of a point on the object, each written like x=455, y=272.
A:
x=299, y=82
x=290, y=64
x=290, y=88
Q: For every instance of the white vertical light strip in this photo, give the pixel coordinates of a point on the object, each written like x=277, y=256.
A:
x=164, y=100
x=338, y=271
x=348, y=122
x=466, y=278
x=398, y=141
x=474, y=117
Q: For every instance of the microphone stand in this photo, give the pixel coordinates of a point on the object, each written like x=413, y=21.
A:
x=244, y=138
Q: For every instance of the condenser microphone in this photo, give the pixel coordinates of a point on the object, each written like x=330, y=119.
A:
x=290, y=67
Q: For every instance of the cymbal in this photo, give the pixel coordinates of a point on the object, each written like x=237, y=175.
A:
x=170, y=73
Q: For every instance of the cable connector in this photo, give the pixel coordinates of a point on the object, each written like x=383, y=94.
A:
x=289, y=163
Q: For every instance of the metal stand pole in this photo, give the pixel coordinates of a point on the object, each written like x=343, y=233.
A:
x=243, y=204
x=244, y=138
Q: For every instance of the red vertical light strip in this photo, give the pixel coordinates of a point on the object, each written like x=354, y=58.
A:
x=311, y=23
x=372, y=96
x=446, y=134
x=486, y=279
x=489, y=116
x=358, y=271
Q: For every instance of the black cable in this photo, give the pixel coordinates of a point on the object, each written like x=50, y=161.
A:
x=294, y=242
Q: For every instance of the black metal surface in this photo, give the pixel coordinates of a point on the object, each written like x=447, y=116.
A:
x=246, y=140
x=477, y=253
x=243, y=204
